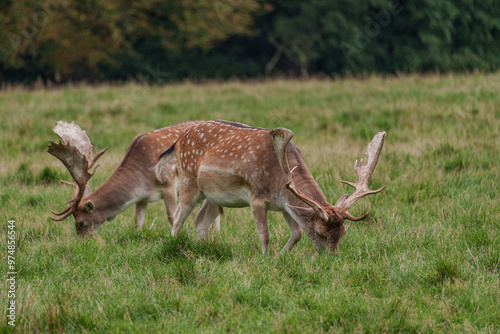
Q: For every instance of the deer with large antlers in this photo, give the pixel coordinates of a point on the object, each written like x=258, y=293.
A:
x=133, y=182
x=233, y=165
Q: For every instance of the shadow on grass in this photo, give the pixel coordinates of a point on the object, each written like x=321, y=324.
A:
x=181, y=253
x=444, y=270
x=184, y=248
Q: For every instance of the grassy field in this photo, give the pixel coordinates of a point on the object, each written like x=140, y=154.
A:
x=427, y=259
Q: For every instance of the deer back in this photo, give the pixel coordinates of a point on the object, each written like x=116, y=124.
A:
x=135, y=176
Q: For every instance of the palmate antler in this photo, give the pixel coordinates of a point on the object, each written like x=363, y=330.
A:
x=74, y=150
x=364, y=173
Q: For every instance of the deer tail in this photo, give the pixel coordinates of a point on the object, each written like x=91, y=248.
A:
x=164, y=159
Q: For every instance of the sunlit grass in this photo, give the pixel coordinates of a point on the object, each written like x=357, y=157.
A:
x=427, y=259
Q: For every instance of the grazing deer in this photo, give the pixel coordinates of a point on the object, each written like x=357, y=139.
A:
x=133, y=182
x=234, y=165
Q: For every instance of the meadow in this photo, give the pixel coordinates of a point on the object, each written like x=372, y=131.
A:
x=427, y=260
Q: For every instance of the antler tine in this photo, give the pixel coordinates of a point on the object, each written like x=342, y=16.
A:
x=61, y=218
x=69, y=183
x=69, y=210
x=280, y=137
x=98, y=155
x=364, y=173
x=64, y=214
x=65, y=211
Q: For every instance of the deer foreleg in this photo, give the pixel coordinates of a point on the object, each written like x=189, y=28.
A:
x=259, y=212
x=205, y=217
x=296, y=232
x=140, y=211
x=170, y=202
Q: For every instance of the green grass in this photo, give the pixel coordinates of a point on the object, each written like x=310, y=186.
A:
x=427, y=260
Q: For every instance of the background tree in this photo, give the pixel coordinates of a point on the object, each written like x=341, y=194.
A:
x=71, y=40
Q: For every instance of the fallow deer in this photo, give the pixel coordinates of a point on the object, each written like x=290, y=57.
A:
x=133, y=182
x=233, y=165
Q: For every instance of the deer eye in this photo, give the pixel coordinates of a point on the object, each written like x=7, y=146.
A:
x=79, y=225
x=320, y=232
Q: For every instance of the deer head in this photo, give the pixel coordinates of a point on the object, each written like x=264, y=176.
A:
x=74, y=150
x=327, y=222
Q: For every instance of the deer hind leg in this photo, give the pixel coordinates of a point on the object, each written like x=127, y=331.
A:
x=188, y=197
x=205, y=217
x=259, y=212
x=216, y=223
x=170, y=198
x=296, y=232
x=140, y=211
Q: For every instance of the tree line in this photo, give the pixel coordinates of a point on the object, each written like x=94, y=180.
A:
x=161, y=41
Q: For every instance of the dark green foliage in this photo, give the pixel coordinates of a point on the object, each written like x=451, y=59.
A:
x=23, y=174
x=48, y=175
x=161, y=41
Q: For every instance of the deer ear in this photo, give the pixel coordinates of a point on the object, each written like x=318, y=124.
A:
x=87, y=191
x=307, y=212
x=89, y=207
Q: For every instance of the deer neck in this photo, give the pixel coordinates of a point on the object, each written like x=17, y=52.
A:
x=121, y=190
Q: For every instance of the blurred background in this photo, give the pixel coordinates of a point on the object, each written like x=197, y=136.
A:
x=60, y=41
